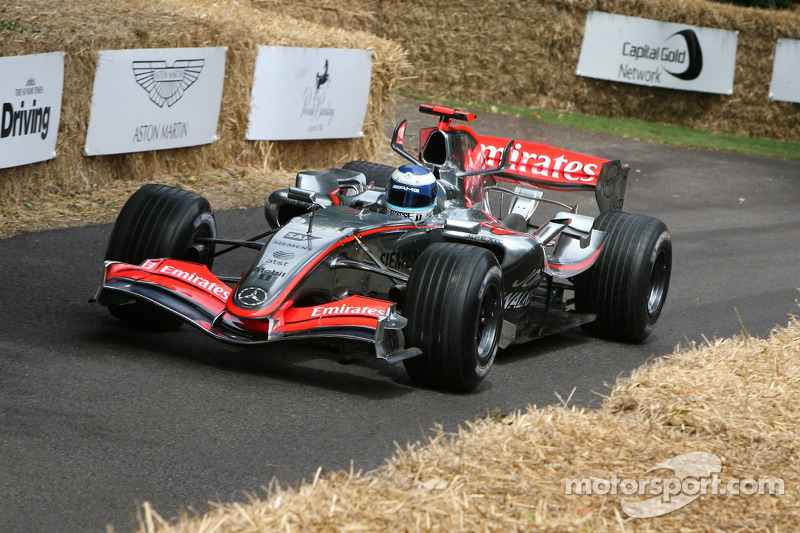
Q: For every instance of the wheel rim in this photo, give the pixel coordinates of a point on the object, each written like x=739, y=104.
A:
x=488, y=326
x=658, y=285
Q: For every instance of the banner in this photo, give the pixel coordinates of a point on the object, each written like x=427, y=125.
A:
x=155, y=99
x=30, y=96
x=657, y=54
x=309, y=93
x=785, y=84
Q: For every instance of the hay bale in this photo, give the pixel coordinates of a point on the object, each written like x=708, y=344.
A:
x=735, y=398
x=525, y=54
x=83, y=28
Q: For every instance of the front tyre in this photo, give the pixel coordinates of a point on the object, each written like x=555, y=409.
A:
x=454, y=306
x=159, y=221
x=376, y=173
x=627, y=286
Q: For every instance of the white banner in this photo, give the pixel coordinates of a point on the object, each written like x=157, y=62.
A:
x=309, y=93
x=30, y=96
x=785, y=84
x=155, y=99
x=657, y=54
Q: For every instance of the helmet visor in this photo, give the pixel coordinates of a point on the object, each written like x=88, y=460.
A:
x=411, y=196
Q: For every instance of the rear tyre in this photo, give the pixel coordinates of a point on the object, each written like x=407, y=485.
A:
x=627, y=286
x=376, y=173
x=454, y=306
x=159, y=221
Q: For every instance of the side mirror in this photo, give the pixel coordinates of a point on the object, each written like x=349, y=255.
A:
x=504, y=164
x=398, y=137
x=302, y=195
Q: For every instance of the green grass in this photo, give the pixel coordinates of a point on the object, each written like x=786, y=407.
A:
x=636, y=129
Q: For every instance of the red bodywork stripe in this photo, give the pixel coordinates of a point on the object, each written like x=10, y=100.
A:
x=265, y=312
x=577, y=267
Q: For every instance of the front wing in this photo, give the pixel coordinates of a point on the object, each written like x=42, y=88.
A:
x=193, y=293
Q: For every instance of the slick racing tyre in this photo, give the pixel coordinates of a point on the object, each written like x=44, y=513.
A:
x=628, y=284
x=159, y=221
x=454, y=307
x=376, y=173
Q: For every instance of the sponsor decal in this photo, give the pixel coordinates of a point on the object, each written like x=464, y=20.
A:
x=268, y=274
x=515, y=300
x=251, y=296
x=21, y=121
x=283, y=254
x=686, y=57
x=399, y=259
x=538, y=160
x=291, y=245
x=164, y=84
x=481, y=238
x=294, y=236
x=342, y=310
x=159, y=132
x=532, y=279
x=220, y=291
x=405, y=188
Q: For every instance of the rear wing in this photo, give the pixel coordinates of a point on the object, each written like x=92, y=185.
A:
x=548, y=167
x=528, y=163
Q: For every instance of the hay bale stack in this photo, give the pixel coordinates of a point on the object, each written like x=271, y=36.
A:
x=83, y=28
x=525, y=53
x=735, y=398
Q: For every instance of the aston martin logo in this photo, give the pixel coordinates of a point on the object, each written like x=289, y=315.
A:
x=166, y=84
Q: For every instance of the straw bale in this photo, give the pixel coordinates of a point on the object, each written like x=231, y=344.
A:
x=83, y=28
x=525, y=53
x=736, y=398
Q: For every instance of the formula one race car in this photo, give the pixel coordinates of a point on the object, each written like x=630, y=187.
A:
x=437, y=263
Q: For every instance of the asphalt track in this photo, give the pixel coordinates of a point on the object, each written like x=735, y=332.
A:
x=95, y=417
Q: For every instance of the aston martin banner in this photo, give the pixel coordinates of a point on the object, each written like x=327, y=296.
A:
x=309, y=93
x=657, y=54
x=30, y=96
x=785, y=85
x=155, y=99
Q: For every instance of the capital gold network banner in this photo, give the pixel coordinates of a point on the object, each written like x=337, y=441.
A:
x=658, y=54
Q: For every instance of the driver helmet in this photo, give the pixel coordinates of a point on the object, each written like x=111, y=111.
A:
x=411, y=192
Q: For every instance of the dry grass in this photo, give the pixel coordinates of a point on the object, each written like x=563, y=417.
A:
x=737, y=398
